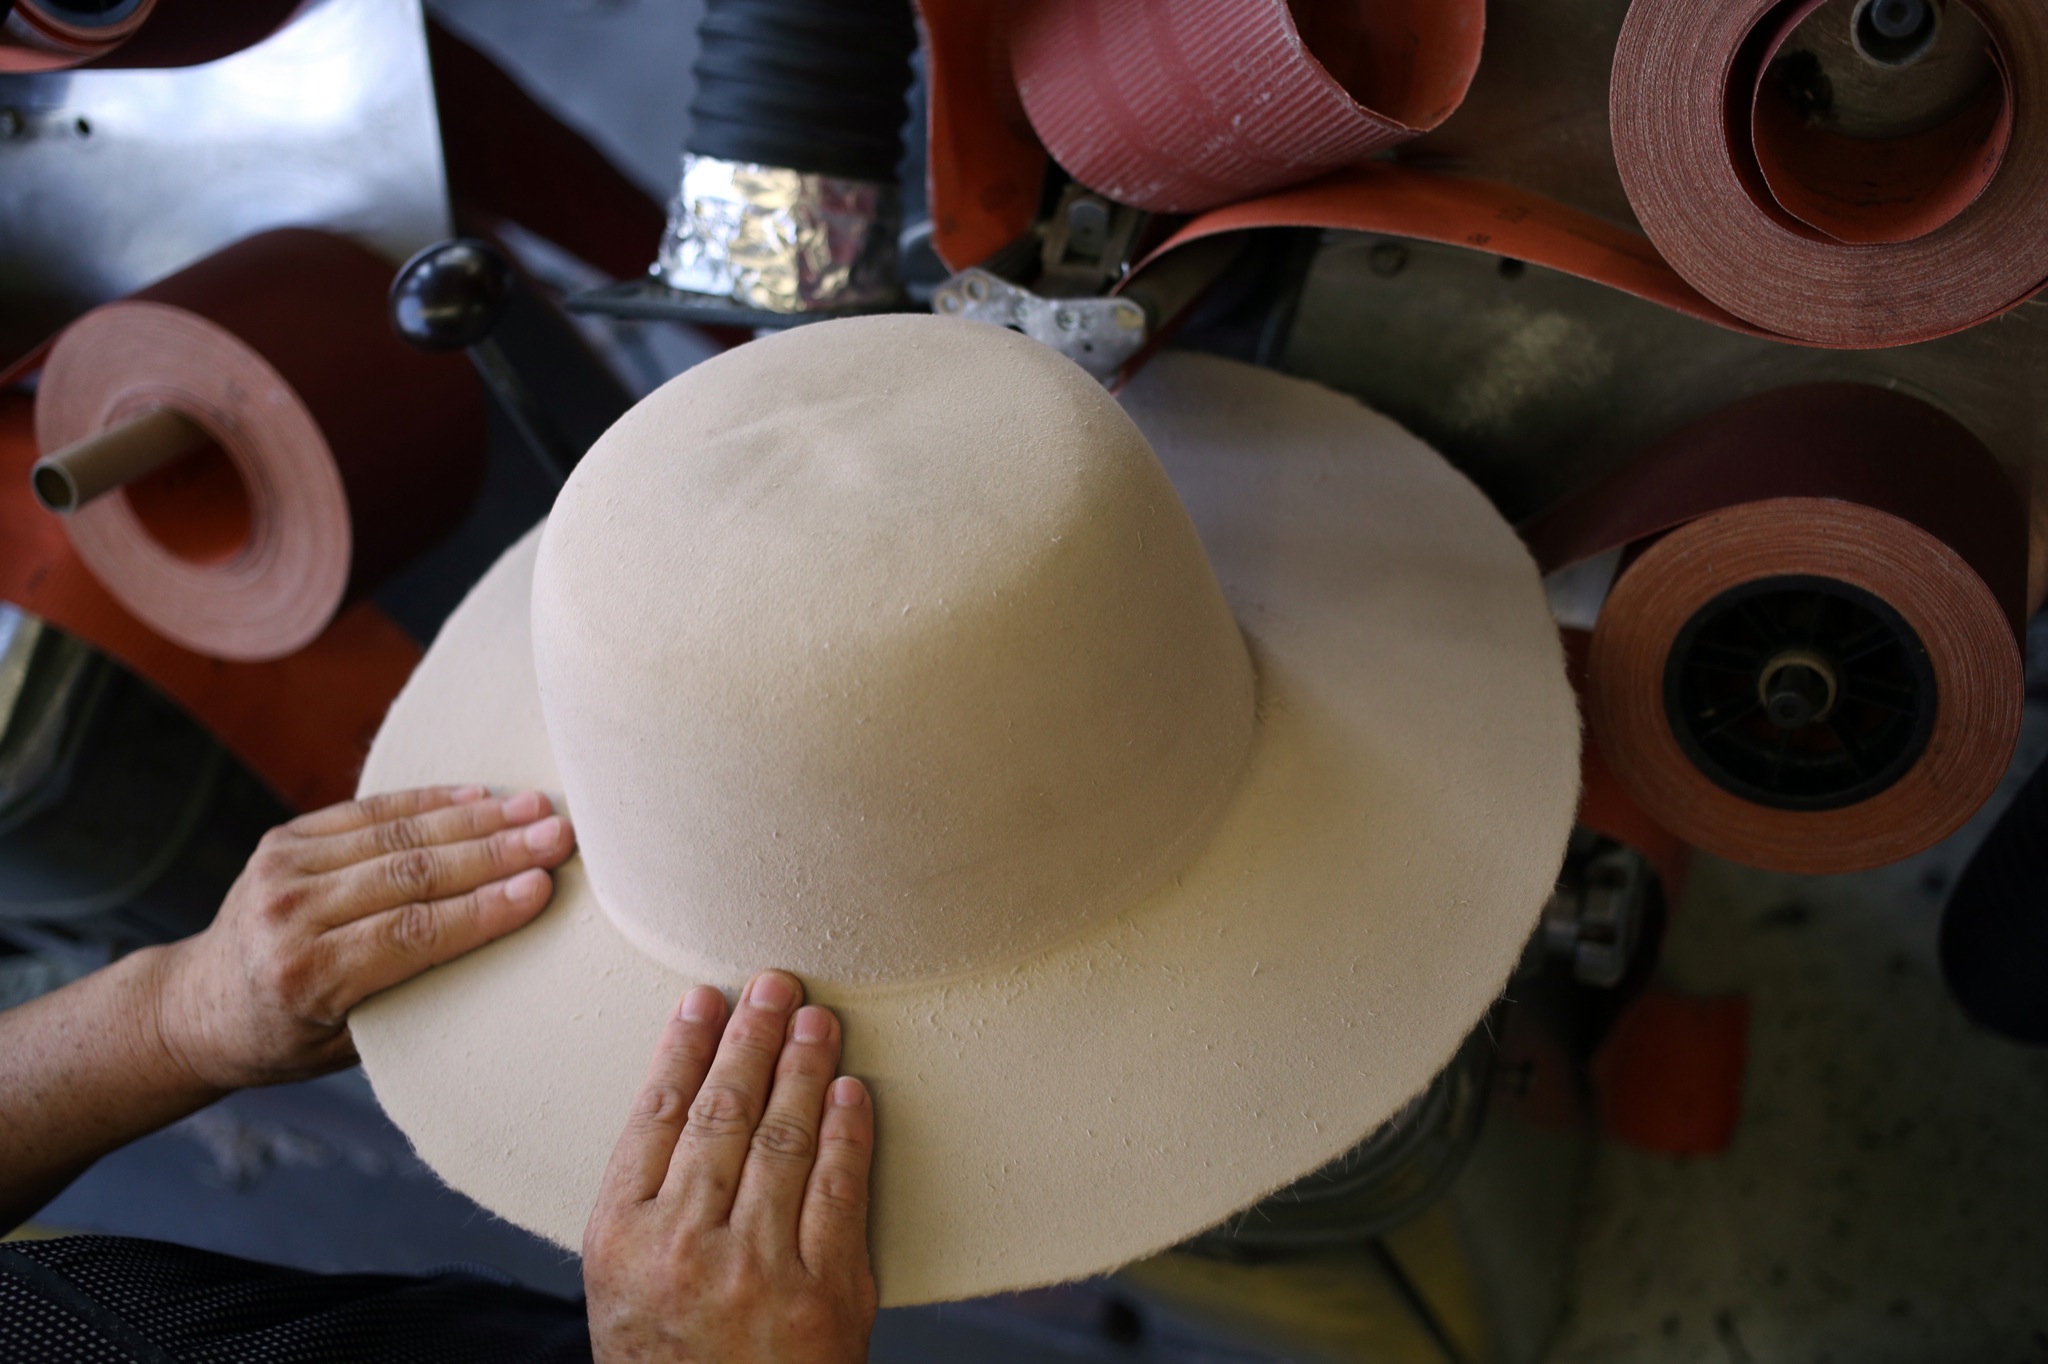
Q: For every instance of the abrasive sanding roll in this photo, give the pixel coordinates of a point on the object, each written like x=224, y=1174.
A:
x=1822, y=185
x=1181, y=105
x=53, y=35
x=332, y=452
x=1810, y=659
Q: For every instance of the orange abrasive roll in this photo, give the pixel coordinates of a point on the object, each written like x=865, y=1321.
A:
x=1897, y=235
x=1181, y=105
x=1485, y=216
x=336, y=453
x=983, y=165
x=1810, y=660
x=1605, y=805
x=301, y=723
x=49, y=35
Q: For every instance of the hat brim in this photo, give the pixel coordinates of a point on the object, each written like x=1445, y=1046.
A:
x=1412, y=786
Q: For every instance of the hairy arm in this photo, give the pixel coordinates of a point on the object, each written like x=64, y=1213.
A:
x=334, y=907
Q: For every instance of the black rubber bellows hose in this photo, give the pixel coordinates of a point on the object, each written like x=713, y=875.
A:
x=807, y=85
x=1994, y=933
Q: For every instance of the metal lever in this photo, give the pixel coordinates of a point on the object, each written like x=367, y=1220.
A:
x=451, y=296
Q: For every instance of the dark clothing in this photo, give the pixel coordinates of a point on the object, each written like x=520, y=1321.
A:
x=115, y=1300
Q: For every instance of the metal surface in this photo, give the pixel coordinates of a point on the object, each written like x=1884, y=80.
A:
x=1546, y=382
x=110, y=180
x=57, y=686
x=780, y=240
x=1089, y=242
x=1098, y=334
x=1594, y=918
x=649, y=300
x=19, y=632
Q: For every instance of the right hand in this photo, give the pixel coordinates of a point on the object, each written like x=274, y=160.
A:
x=732, y=1223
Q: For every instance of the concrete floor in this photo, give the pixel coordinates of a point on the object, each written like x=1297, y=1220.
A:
x=1886, y=1196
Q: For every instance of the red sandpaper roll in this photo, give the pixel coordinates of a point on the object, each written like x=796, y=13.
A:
x=1854, y=533
x=302, y=723
x=1181, y=105
x=337, y=451
x=41, y=36
x=1825, y=238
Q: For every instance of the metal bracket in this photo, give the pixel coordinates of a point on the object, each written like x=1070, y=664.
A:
x=1098, y=334
x=1595, y=917
x=1087, y=246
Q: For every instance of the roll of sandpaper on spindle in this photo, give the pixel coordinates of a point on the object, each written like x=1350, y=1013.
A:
x=53, y=35
x=1181, y=105
x=1810, y=658
x=1742, y=162
x=336, y=452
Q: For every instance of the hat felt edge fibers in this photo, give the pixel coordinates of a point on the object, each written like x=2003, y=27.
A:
x=1411, y=783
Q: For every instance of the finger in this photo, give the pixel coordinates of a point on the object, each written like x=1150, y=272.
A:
x=437, y=873
x=681, y=1058
x=832, y=1233
x=454, y=823
x=705, y=1173
x=771, y=1191
x=355, y=814
x=381, y=950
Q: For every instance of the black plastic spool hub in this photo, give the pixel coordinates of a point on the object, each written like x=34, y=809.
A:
x=1800, y=693
x=807, y=85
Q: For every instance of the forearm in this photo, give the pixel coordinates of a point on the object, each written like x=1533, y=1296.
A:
x=83, y=1071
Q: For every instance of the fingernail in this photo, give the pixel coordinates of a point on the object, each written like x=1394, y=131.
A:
x=701, y=1005
x=813, y=1025
x=771, y=990
x=545, y=836
x=848, y=1092
x=522, y=808
x=528, y=886
x=462, y=795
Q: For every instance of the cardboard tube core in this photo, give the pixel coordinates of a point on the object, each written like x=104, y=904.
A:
x=86, y=469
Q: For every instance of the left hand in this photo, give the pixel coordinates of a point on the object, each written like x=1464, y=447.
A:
x=340, y=904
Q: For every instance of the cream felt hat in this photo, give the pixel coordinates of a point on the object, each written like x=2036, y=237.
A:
x=1156, y=825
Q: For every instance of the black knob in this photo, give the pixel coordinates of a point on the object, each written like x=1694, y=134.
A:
x=451, y=295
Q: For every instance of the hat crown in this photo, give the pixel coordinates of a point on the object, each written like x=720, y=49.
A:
x=881, y=650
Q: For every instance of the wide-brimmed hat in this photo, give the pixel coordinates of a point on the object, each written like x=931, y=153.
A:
x=1158, y=792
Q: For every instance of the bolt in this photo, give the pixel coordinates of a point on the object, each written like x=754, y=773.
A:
x=1388, y=258
x=1066, y=319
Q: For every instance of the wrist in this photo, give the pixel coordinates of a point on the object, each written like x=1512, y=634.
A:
x=170, y=1040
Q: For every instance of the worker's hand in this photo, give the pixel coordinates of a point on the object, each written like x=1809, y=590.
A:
x=732, y=1225
x=340, y=904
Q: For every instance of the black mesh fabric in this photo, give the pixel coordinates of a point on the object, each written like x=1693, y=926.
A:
x=122, y=1301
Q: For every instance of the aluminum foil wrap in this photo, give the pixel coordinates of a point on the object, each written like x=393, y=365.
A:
x=780, y=240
